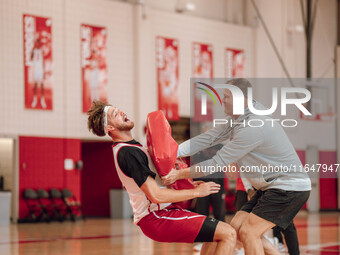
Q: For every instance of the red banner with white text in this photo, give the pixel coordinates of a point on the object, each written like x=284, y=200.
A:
x=93, y=64
x=202, y=55
x=234, y=63
x=38, y=62
x=167, y=76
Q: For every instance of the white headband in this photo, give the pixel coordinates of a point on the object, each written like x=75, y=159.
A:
x=105, y=117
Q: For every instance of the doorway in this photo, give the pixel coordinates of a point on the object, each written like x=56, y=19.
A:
x=7, y=178
x=98, y=177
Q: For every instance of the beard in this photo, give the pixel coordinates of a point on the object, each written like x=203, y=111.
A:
x=127, y=126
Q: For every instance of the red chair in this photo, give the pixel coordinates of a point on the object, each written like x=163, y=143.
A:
x=58, y=203
x=47, y=206
x=36, y=213
x=72, y=203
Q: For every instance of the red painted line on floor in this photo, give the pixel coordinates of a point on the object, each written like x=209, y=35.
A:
x=65, y=239
x=94, y=237
x=320, y=225
x=332, y=249
x=321, y=252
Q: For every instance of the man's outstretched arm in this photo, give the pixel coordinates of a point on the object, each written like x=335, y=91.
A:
x=244, y=141
x=194, y=172
x=199, y=143
x=162, y=195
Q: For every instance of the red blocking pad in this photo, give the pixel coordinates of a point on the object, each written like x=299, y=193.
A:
x=163, y=148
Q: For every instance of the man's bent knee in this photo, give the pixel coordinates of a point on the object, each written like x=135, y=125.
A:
x=224, y=232
x=238, y=220
x=247, y=232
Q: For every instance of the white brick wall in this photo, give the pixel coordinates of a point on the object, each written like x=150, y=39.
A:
x=118, y=19
x=187, y=30
x=15, y=118
x=280, y=17
x=130, y=39
x=66, y=119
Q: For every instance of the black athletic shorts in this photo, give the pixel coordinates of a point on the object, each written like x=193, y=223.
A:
x=276, y=205
x=240, y=199
x=207, y=231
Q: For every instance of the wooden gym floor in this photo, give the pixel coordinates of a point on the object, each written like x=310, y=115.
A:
x=318, y=234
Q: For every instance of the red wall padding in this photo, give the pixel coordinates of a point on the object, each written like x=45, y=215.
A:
x=73, y=178
x=328, y=186
x=99, y=176
x=302, y=156
x=328, y=182
x=41, y=165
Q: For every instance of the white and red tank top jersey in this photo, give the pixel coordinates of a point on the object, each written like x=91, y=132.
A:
x=140, y=204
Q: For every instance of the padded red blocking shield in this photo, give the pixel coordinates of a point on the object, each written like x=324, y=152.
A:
x=163, y=148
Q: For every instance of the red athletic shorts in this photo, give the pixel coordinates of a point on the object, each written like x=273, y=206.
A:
x=174, y=224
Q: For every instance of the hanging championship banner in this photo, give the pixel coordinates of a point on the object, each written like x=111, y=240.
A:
x=167, y=76
x=202, y=55
x=93, y=64
x=234, y=63
x=38, y=65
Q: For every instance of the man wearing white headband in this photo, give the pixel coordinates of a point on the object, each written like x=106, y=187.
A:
x=151, y=202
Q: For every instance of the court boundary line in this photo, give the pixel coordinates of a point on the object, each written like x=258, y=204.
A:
x=65, y=239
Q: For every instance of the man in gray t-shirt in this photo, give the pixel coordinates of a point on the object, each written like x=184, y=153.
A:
x=266, y=158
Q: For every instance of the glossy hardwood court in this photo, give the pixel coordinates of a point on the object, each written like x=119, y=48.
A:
x=318, y=233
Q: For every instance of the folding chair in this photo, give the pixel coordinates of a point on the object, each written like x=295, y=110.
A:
x=33, y=205
x=73, y=205
x=58, y=203
x=47, y=206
